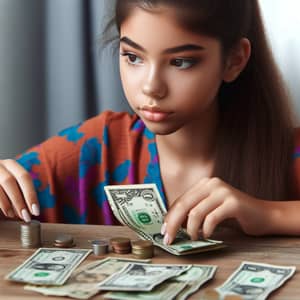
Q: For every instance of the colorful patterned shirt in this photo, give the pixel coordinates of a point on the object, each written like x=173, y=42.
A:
x=70, y=170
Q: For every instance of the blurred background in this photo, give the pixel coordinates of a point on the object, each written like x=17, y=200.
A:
x=53, y=74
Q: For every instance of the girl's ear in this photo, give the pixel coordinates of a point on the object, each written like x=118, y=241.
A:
x=237, y=60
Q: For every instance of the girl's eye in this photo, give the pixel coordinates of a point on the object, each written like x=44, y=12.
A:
x=131, y=58
x=183, y=63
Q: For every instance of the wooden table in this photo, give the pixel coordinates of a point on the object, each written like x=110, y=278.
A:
x=273, y=250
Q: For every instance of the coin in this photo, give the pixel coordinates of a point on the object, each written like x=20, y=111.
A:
x=64, y=241
x=30, y=234
x=120, y=245
x=142, y=248
x=99, y=247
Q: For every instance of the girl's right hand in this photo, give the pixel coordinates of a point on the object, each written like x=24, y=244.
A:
x=17, y=194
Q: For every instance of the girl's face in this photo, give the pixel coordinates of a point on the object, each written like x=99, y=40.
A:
x=170, y=76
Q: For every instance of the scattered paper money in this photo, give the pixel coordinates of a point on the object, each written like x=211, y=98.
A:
x=83, y=282
x=179, y=287
x=194, y=278
x=164, y=291
x=141, y=208
x=255, y=281
x=141, y=277
x=48, y=266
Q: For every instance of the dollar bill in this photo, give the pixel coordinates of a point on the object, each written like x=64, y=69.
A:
x=255, y=280
x=141, y=208
x=179, y=287
x=165, y=291
x=141, y=277
x=48, y=266
x=194, y=278
x=83, y=282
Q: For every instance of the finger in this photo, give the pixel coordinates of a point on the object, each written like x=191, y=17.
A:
x=5, y=205
x=214, y=218
x=198, y=214
x=179, y=210
x=11, y=189
x=26, y=186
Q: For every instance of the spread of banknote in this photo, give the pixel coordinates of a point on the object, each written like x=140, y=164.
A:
x=255, y=281
x=140, y=207
x=179, y=287
x=83, y=282
x=141, y=277
x=48, y=266
x=51, y=271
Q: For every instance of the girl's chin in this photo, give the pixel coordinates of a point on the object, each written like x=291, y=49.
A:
x=159, y=129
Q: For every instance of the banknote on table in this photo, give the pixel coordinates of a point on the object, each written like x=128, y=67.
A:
x=194, y=278
x=165, y=291
x=141, y=208
x=255, y=280
x=83, y=282
x=141, y=277
x=178, y=288
x=48, y=266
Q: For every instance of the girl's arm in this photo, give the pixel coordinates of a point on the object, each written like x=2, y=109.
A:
x=285, y=217
x=211, y=201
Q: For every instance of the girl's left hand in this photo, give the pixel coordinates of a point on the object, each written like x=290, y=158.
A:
x=209, y=202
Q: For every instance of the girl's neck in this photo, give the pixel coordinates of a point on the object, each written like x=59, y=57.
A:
x=186, y=156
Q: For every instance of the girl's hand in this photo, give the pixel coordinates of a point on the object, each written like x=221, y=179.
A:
x=17, y=194
x=211, y=201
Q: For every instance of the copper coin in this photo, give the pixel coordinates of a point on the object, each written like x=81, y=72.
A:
x=120, y=241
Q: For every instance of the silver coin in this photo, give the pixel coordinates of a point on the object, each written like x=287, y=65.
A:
x=30, y=234
x=99, y=247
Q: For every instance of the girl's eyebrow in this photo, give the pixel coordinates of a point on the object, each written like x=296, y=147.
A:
x=186, y=47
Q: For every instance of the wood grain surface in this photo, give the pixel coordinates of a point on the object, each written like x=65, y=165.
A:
x=272, y=250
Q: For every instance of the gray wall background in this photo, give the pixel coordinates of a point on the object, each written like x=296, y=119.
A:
x=53, y=74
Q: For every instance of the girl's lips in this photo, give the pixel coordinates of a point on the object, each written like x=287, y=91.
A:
x=154, y=116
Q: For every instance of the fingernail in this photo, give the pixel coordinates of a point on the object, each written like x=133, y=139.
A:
x=163, y=228
x=166, y=239
x=10, y=213
x=25, y=215
x=35, y=209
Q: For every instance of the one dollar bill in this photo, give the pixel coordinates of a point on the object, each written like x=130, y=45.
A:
x=178, y=288
x=48, y=266
x=141, y=277
x=255, y=281
x=140, y=207
x=83, y=282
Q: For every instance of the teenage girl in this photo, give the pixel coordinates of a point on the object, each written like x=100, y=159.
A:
x=211, y=127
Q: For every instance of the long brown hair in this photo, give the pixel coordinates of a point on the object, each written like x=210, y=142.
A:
x=255, y=136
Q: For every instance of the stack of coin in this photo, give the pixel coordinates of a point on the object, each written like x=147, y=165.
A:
x=142, y=249
x=100, y=247
x=64, y=241
x=120, y=245
x=30, y=234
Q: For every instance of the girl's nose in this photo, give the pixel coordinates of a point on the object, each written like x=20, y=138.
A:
x=154, y=86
